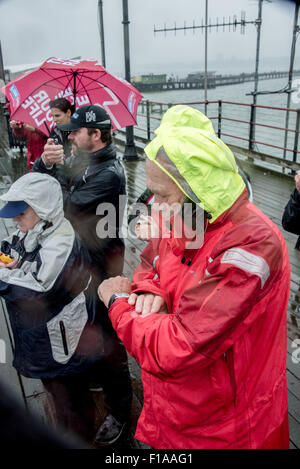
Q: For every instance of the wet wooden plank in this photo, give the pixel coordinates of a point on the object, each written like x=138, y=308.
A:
x=294, y=409
x=294, y=426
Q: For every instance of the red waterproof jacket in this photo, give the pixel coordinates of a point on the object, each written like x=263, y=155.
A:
x=35, y=144
x=214, y=367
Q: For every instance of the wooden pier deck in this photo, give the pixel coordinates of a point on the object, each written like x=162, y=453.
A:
x=271, y=192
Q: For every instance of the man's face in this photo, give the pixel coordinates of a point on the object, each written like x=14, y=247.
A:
x=27, y=220
x=81, y=139
x=162, y=185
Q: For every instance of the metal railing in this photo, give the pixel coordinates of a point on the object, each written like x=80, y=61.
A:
x=233, y=122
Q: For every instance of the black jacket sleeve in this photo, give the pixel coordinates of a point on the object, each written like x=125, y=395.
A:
x=291, y=215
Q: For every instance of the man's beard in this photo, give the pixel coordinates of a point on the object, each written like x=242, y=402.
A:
x=89, y=147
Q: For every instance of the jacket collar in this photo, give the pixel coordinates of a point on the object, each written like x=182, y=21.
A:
x=105, y=154
x=241, y=200
x=179, y=244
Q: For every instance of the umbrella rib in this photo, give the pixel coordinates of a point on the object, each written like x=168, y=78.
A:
x=85, y=76
x=84, y=88
x=66, y=75
x=125, y=105
x=45, y=83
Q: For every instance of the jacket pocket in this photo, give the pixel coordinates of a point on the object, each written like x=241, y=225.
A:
x=223, y=378
x=230, y=363
x=65, y=329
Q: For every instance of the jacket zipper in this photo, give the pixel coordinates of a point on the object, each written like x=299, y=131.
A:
x=63, y=336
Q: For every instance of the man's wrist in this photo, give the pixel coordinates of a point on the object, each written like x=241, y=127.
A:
x=44, y=161
x=115, y=296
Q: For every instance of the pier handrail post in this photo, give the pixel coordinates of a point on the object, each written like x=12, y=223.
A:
x=130, y=153
x=148, y=120
x=4, y=121
x=251, y=127
x=297, y=130
x=219, y=118
x=290, y=75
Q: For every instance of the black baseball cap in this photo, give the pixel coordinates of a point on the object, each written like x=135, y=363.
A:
x=90, y=116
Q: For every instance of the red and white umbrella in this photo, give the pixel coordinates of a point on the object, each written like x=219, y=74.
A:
x=81, y=82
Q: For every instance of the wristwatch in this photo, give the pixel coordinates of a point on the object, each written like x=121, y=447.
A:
x=115, y=296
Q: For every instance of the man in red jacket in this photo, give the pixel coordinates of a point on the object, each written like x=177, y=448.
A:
x=206, y=322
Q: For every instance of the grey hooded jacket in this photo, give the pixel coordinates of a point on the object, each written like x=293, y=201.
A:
x=49, y=297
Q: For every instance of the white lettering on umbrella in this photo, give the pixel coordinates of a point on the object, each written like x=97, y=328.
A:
x=82, y=100
x=55, y=60
x=106, y=104
x=38, y=105
x=28, y=102
x=68, y=93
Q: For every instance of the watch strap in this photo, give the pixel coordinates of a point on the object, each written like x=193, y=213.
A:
x=115, y=296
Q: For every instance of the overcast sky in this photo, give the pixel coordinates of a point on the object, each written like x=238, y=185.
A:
x=33, y=30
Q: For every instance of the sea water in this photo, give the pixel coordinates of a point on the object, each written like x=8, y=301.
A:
x=241, y=93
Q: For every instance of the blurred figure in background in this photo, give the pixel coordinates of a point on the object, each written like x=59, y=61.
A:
x=35, y=140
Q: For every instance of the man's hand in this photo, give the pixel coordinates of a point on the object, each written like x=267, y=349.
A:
x=53, y=154
x=13, y=124
x=29, y=127
x=148, y=303
x=297, y=180
x=113, y=285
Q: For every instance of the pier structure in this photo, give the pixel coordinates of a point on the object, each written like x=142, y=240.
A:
x=212, y=81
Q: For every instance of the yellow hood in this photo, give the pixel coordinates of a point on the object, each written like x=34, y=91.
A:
x=199, y=162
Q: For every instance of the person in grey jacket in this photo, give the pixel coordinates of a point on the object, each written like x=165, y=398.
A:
x=52, y=306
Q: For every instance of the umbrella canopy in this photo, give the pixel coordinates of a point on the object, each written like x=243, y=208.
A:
x=80, y=81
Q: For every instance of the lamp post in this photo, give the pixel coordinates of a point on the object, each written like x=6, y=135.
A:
x=130, y=153
x=100, y=9
x=4, y=143
x=205, y=57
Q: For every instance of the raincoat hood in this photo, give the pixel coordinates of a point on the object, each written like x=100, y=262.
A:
x=202, y=166
x=41, y=192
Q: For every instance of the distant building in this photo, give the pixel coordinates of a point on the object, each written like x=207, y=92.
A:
x=196, y=76
x=150, y=79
